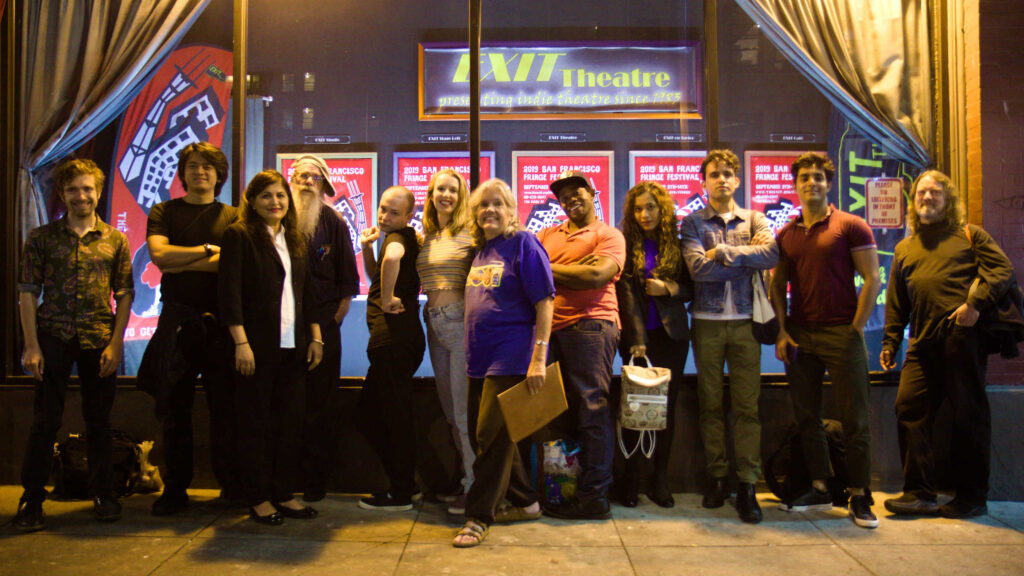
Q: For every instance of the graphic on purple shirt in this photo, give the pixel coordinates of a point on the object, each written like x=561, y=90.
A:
x=508, y=278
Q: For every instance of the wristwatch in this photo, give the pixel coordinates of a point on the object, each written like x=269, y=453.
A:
x=209, y=251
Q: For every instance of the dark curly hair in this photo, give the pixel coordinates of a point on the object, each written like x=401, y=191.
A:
x=670, y=257
x=813, y=160
x=722, y=156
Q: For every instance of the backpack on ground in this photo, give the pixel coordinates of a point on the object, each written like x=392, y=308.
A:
x=71, y=469
x=785, y=470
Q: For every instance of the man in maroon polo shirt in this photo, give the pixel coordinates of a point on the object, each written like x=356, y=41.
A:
x=819, y=254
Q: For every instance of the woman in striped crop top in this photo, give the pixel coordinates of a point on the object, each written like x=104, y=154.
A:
x=443, y=265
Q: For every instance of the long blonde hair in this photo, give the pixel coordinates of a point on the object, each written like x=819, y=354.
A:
x=669, y=255
x=507, y=198
x=460, y=217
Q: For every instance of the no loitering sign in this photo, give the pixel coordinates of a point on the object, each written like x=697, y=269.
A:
x=884, y=202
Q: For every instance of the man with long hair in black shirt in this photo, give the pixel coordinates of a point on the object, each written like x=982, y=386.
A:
x=945, y=275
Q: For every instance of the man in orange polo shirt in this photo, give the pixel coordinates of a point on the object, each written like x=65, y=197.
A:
x=586, y=259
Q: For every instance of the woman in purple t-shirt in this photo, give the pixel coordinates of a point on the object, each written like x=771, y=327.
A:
x=653, y=291
x=509, y=301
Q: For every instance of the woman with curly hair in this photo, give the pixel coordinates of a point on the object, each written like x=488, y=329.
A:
x=443, y=264
x=265, y=295
x=653, y=291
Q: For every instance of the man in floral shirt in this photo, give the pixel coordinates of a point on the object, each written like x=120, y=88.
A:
x=75, y=264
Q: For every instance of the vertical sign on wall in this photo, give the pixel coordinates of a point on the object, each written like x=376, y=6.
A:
x=354, y=177
x=186, y=101
x=859, y=161
x=414, y=169
x=678, y=172
x=533, y=172
x=770, y=185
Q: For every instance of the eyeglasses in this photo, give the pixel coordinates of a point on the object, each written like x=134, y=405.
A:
x=314, y=178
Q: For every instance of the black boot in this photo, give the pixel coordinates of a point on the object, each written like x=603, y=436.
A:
x=746, y=503
x=715, y=495
x=630, y=488
x=658, y=491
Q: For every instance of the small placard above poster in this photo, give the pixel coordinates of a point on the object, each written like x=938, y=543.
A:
x=884, y=202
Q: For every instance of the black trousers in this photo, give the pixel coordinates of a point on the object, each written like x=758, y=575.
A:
x=663, y=352
x=952, y=368
x=207, y=355
x=498, y=470
x=318, y=428
x=48, y=411
x=384, y=412
x=269, y=418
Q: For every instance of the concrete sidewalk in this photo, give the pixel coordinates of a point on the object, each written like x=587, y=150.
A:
x=212, y=539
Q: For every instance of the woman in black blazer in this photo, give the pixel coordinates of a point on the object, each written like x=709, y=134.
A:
x=265, y=294
x=653, y=290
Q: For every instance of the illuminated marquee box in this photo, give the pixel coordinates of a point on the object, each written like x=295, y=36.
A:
x=563, y=80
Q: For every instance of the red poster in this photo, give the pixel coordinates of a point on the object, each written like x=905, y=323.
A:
x=678, y=172
x=354, y=177
x=533, y=172
x=186, y=101
x=414, y=169
x=770, y=186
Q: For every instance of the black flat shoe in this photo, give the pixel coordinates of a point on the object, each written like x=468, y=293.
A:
x=659, y=493
x=662, y=497
x=272, y=519
x=306, y=513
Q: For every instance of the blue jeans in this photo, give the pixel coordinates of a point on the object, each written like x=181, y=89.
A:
x=446, y=340
x=586, y=350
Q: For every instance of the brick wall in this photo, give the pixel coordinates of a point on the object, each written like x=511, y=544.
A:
x=1001, y=39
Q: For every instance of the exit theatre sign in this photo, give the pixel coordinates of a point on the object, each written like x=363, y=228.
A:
x=572, y=80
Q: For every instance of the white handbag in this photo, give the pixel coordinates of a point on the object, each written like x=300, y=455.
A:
x=644, y=404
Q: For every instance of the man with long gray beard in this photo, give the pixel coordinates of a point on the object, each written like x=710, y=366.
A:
x=332, y=265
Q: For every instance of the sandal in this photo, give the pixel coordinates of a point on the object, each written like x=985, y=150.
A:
x=474, y=531
x=509, y=514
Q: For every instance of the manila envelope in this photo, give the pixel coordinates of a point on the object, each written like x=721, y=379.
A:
x=526, y=413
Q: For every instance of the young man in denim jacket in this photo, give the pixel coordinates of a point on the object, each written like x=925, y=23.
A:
x=724, y=246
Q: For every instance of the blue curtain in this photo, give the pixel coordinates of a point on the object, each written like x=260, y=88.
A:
x=870, y=58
